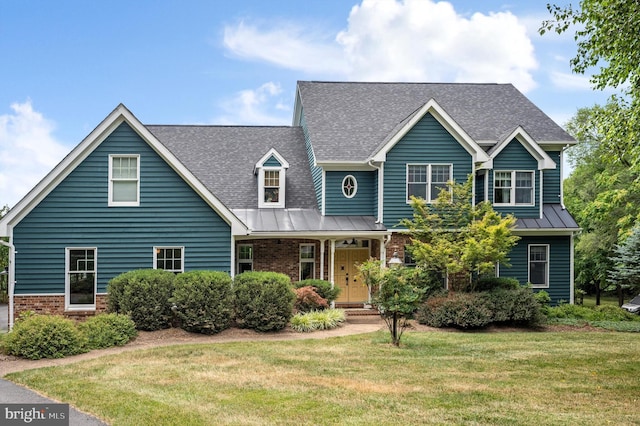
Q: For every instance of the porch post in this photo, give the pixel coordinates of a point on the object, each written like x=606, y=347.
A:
x=332, y=255
x=322, y=259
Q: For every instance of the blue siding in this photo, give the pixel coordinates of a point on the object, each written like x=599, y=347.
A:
x=480, y=179
x=559, y=265
x=272, y=162
x=552, y=180
x=75, y=214
x=426, y=142
x=363, y=203
x=516, y=157
x=316, y=172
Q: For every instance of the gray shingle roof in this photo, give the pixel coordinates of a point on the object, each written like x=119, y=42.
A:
x=348, y=121
x=223, y=159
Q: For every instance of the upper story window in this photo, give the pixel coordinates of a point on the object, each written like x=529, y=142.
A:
x=81, y=271
x=513, y=188
x=124, y=180
x=349, y=186
x=271, y=170
x=427, y=180
x=169, y=258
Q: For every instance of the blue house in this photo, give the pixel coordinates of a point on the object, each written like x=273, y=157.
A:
x=310, y=200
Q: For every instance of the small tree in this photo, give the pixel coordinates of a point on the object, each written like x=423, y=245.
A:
x=456, y=237
x=397, y=296
x=626, y=260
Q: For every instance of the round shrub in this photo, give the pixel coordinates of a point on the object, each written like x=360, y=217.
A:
x=307, y=300
x=263, y=300
x=460, y=310
x=107, y=330
x=323, y=288
x=144, y=296
x=517, y=306
x=494, y=283
x=203, y=301
x=44, y=336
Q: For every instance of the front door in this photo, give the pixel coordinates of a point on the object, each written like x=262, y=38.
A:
x=352, y=289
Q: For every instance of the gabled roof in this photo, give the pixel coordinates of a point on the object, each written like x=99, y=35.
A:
x=119, y=115
x=223, y=158
x=544, y=161
x=349, y=121
x=431, y=107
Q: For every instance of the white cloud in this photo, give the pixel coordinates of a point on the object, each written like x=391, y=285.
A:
x=254, y=106
x=28, y=151
x=404, y=40
x=567, y=81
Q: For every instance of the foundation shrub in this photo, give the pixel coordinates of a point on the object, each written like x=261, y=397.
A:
x=143, y=295
x=263, y=300
x=456, y=309
x=107, y=330
x=203, y=301
x=45, y=336
x=515, y=306
x=322, y=287
x=307, y=300
x=495, y=283
x=318, y=320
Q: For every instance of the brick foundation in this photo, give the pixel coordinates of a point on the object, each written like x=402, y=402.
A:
x=54, y=305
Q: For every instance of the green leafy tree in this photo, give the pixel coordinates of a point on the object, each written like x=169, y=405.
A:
x=626, y=262
x=398, y=295
x=4, y=263
x=603, y=194
x=455, y=237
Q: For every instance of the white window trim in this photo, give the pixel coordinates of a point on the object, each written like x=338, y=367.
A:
x=155, y=257
x=430, y=199
x=513, y=188
x=301, y=260
x=239, y=260
x=67, y=281
x=355, y=186
x=281, y=188
x=112, y=203
x=546, y=278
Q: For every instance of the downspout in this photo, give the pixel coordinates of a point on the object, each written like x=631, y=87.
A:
x=10, y=279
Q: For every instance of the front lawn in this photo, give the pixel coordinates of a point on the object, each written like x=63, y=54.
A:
x=542, y=378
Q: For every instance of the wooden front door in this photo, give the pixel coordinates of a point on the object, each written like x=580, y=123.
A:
x=353, y=290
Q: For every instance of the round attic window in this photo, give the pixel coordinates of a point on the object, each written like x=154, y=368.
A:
x=349, y=186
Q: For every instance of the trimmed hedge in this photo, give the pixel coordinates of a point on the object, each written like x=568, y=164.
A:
x=203, y=301
x=107, y=330
x=460, y=310
x=263, y=300
x=44, y=336
x=323, y=288
x=143, y=295
x=515, y=306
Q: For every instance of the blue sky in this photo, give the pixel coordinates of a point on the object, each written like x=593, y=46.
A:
x=65, y=65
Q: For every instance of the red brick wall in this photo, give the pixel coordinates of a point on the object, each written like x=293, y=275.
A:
x=54, y=305
x=280, y=255
x=398, y=241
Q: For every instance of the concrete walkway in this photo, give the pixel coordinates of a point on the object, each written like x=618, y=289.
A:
x=10, y=393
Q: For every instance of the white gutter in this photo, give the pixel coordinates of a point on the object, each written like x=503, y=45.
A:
x=380, y=168
x=10, y=279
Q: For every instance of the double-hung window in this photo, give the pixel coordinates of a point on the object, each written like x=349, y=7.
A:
x=245, y=258
x=81, y=272
x=539, y=265
x=513, y=187
x=169, y=258
x=307, y=261
x=427, y=180
x=124, y=180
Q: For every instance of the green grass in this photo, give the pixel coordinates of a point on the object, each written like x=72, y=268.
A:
x=508, y=378
x=604, y=300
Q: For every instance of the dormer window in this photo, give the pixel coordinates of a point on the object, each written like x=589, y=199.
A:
x=271, y=170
